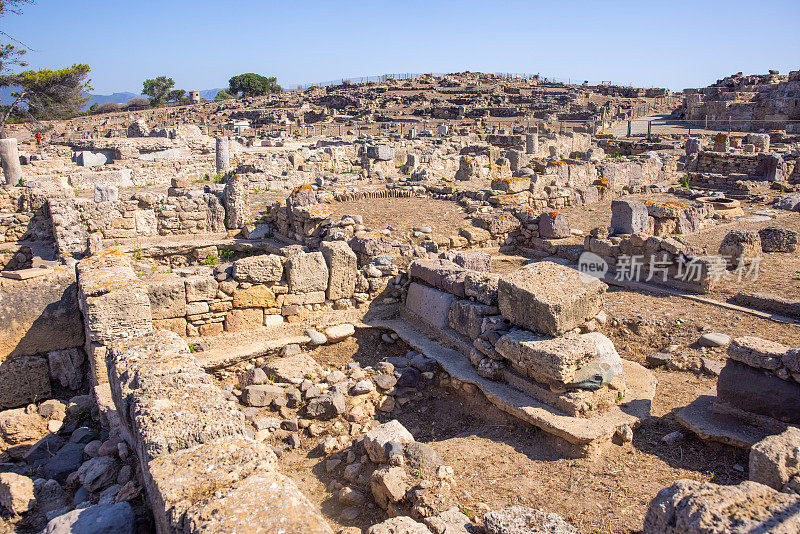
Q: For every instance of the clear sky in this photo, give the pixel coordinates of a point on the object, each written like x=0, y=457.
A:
x=201, y=43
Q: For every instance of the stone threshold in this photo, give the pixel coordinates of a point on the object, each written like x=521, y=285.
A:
x=699, y=417
x=583, y=437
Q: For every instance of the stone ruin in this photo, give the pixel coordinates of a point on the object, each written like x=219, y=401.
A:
x=165, y=288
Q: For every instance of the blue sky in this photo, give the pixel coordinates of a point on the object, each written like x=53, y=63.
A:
x=672, y=43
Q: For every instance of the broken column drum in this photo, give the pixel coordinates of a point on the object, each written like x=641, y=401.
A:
x=9, y=157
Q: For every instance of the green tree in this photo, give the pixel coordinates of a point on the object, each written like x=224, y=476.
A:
x=94, y=107
x=158, y=89
x=176, y=95
x=46, y=93
x=41, y=93
x=252, y=84
x=223, y=95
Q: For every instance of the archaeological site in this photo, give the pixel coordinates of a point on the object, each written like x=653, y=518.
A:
x=405, y=304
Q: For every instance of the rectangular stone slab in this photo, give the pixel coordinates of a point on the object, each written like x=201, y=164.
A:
x=549, y=298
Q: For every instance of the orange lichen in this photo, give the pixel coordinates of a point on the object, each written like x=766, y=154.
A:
x=299, y=188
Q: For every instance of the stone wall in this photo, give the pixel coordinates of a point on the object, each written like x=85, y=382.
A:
x=266, y=290
x=200, y=470
x=660, y=260
x=36, y=316
x=74, y=219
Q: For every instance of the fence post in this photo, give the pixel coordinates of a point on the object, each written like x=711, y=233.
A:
x=729, y=124
x=629, y=127
x=649, y=129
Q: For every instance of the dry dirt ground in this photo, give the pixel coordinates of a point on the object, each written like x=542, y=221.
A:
x=403, y=214
x=499, y=461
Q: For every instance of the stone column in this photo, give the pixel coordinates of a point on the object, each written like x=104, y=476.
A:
x=532, y=143
x=223, y=155
x=9, y=159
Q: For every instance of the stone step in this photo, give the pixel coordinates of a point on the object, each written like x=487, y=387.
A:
x=580, y=436
x=25, y=274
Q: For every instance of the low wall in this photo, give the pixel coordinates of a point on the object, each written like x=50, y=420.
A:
x=200, y=471
x=36, y=316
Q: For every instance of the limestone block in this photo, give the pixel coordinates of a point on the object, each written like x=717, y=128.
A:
x=293, y=368
x=482, y=287
x=257, y=296
x=167, y=296
x=169, y=402
x=244, y=319
x=258, y=269
x=740, y=247
x=307, y=272
x=466, y=317
x=628, y=216
x=342, y=267
x=24, y=379
x=549, y=298
x=200, y=287
x=694, y=507
x=430, y=305
x=266, y=501
x=375, y=440
x=554, y=225
x=520, y=519
x=553, y=358
x=776, y=459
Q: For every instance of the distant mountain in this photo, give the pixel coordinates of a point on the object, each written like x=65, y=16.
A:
x=209, y=94
x=120, y=98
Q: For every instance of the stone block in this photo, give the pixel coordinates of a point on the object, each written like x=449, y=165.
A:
x=176, y=324
x=380, y=152
x=740, y=247
x=200, y=287
x=757, y=352
x=165, y=399
x=550, y=358
x=342, y=267
x=178, y=480
x=628, y=216
x=258, y=269
x=430, y=305
x=434, y=272
x=778, y=239
x=105, y=193
x=775, y=460
x=758, y=391
x=691, y=506
x=520, y=519
x=549, y=298
x=261, y=395
x=473, y=260
x=24, y=379
x=466, y=317
x=167, y=294
x=293, y=368
x=244, y=319
x=257, y=296
x=307, y=272
x=554, y=225
x=377, y=439
x=482, y=287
